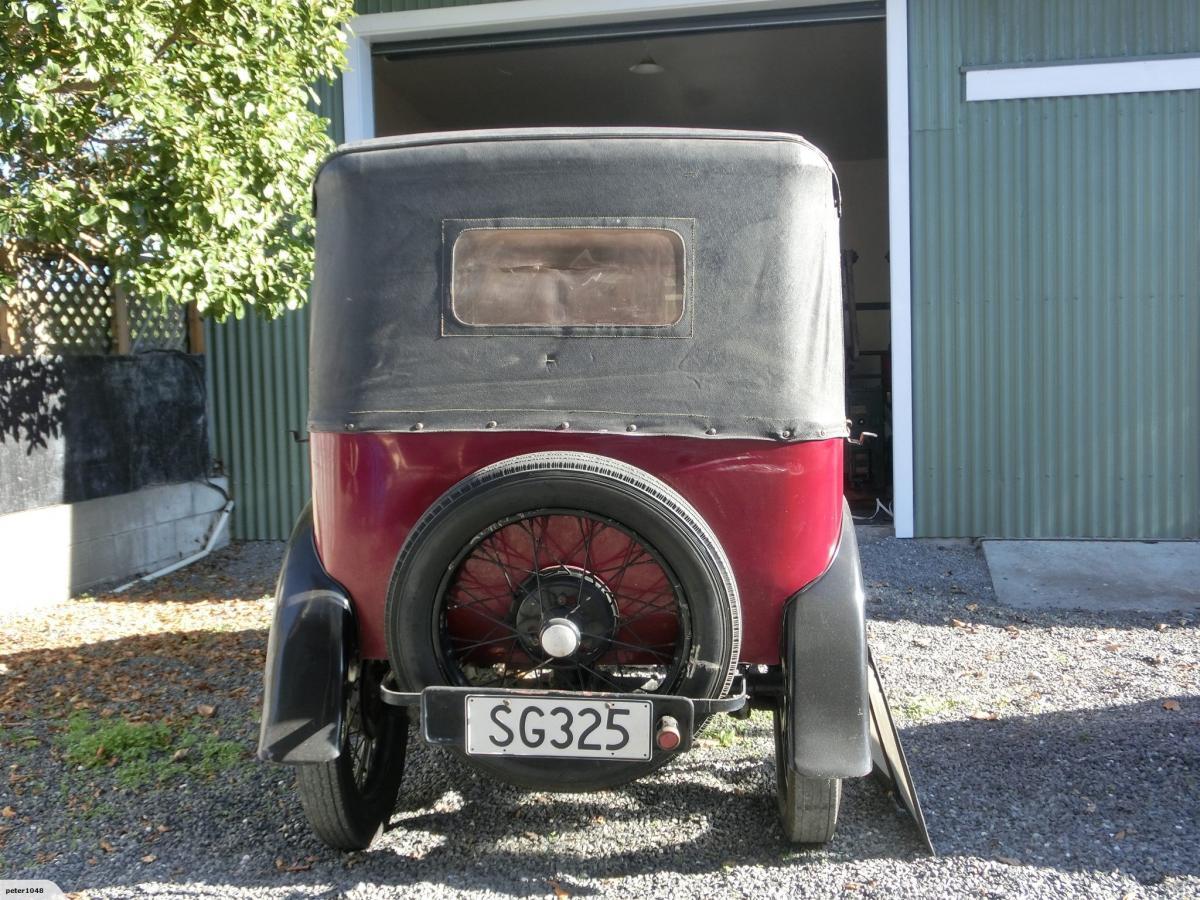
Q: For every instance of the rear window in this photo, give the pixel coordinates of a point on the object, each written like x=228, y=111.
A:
x=568, y=277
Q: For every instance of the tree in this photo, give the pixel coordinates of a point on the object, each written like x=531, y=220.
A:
x=172, y=139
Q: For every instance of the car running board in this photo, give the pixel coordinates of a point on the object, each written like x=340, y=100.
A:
x=890, y=766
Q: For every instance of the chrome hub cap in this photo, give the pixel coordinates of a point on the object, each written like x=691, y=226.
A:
x=560, y=638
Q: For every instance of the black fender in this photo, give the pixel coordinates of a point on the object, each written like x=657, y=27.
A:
x=311, y=647
x=825, y=668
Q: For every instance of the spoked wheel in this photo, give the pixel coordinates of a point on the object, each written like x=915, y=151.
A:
x=563, y=600
x=348, y=801
x=808, y=807
x=565, y=572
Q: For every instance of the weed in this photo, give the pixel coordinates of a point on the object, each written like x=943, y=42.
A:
x=99, y=812
x=135, y=749
x=210, y=755
x=920, y=708
x=727, y=731
x=146, y=753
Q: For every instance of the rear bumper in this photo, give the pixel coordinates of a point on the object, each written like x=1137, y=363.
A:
x=443, y=709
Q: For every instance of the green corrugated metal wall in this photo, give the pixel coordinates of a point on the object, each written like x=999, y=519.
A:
x=258, y=390
x=1056, y=284
x=258, y=383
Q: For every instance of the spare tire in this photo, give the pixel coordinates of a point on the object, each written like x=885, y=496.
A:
x=564, y=571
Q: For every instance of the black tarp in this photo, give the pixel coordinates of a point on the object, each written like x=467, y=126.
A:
x=77, y=428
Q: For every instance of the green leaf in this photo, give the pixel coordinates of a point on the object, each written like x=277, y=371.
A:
x=165, y=158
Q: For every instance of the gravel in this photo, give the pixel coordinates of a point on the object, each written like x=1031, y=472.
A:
x=1057, y=754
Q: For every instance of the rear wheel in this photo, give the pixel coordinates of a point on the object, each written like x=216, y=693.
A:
x=808, y=807
x=348, y=801
x=566, y=572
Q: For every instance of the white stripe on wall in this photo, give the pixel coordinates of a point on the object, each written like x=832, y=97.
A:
x=1083, y=79
x=900, y=239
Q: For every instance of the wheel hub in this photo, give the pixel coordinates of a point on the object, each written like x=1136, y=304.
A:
x=565, y=613
x=560, y=637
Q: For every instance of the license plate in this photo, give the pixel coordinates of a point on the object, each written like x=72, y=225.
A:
x=554, y=726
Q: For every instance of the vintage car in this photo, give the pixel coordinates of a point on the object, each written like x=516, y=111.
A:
x=577, y=426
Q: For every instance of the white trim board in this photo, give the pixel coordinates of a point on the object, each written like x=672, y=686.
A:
x=498, y=18
x=900, y=254
x=536, y=15
x=1127, y=76
x=540, y=15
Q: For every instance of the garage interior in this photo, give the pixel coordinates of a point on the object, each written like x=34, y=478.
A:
x=822, y=79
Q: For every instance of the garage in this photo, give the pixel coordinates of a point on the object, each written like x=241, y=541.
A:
x=816, y=72
x=1021, y=200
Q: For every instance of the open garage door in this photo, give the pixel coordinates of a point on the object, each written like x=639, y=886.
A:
x=816, y=71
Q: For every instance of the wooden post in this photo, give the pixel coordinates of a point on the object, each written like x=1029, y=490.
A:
x=120, y=321
x=7, y=332
x=195, y=330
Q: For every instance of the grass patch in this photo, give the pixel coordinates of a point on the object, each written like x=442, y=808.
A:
x=921, y=708
x=140, y=754
x=210, y=755
x=18, y=738
x=727, y=731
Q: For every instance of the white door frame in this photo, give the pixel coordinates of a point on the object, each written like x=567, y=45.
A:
x=542, y=15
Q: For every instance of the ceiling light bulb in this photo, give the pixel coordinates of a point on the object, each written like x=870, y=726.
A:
x=647, y=67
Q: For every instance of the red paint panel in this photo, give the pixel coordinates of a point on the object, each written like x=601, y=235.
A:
x=776, y=508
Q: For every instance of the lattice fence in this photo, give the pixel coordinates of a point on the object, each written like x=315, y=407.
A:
x=151, y=327
x=63, y=307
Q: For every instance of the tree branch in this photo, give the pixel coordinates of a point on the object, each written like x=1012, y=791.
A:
x=14, y=249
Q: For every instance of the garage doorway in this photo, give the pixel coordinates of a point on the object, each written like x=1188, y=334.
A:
x=822, y=75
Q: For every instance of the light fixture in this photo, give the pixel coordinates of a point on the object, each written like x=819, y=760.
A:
x=647, y=67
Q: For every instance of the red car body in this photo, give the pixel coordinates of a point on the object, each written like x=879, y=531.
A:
x=776, y=508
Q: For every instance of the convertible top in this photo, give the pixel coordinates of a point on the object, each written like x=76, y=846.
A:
x=419, y=238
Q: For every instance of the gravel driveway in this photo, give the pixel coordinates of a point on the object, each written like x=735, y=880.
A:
x=1057, y=755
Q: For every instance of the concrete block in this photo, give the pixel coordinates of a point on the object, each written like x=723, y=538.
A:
x=51, y=552
x=108, y=515
x=1161, y=576
x=207, y=499
x=190, y=535
x=169, y=505
x=35, y=552
x=91, y=562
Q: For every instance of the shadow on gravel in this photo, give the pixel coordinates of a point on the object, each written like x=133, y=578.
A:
x=1086, y=790
x=141, y=676
x=933, y=582
x=1106, y=789
x=1115, y=788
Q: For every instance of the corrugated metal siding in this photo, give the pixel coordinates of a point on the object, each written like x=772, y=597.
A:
x=258, y=385
x=1056, y=282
